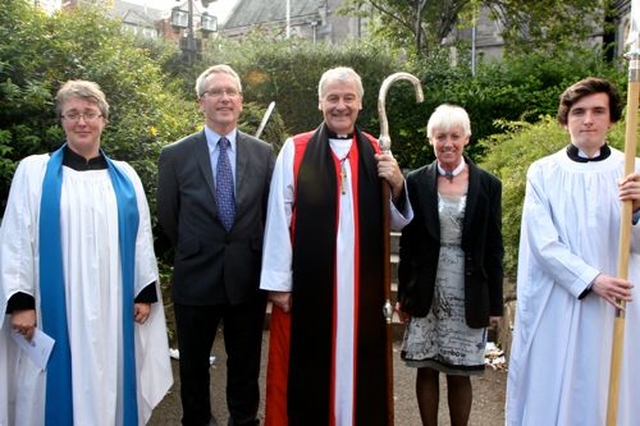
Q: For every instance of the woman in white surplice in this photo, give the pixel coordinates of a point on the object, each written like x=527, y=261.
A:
x=77, y=263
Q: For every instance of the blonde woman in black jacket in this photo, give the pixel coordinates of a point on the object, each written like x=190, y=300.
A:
x=450, y=276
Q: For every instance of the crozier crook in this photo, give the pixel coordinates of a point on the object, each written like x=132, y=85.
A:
x=387, y=309
x=385, y=140
x=385, y=145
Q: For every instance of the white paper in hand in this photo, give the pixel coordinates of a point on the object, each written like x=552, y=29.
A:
x=38, y=349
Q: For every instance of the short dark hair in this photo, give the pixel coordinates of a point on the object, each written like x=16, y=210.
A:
x=585, y=87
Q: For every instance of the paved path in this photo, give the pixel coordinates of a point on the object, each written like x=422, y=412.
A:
x=487, y=409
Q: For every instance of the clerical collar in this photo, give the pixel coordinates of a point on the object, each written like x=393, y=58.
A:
x=453, y=173
x=77, y=162
x=575, y=154
x=333, y=135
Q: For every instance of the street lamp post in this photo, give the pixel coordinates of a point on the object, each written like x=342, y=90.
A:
x=183, y=20
x=190, y=48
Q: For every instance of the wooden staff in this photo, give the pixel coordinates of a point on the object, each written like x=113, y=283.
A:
x=385, y=146
x=633, y=92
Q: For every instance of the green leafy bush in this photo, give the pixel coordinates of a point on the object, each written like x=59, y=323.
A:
x=40, y=52
x=519, y=88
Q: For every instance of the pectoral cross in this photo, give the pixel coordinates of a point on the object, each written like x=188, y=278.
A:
x=343, y=174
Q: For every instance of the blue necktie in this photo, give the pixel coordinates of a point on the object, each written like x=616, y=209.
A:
x=225, y=197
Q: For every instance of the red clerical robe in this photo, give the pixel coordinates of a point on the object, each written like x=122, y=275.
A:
x=327, y=356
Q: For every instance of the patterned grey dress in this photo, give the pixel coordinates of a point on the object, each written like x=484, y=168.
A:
x=442, y=340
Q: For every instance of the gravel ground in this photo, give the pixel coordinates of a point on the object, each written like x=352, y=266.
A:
x=487, y=409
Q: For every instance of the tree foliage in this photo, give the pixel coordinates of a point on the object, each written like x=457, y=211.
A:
x=526, y=25
x=545, y=24
x=41, y=52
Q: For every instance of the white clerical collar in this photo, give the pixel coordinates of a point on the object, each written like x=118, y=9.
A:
x=453, y=173
x=583, y=154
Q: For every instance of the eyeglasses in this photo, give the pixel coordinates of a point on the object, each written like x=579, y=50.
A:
x=87, y=116
x=217, y=93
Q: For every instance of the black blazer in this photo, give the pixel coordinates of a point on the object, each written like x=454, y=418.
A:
x=481, y=243
x=212, y=266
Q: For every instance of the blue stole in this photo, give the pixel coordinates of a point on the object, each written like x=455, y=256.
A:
x=53, y=309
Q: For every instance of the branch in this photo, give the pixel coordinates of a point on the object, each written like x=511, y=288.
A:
x=449, y=17
x=394, y=16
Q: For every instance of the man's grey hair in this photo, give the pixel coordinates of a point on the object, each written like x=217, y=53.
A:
x=343, y=74
x=201, y=82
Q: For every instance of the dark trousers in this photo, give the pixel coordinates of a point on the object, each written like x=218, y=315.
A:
x=242, y=332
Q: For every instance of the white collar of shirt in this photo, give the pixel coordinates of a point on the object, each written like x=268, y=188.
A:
x=582, y=154
x=212, y=143
x=340, y=147
x=455, y=172
x=213, y=138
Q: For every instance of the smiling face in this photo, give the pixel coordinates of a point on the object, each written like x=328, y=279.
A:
x=588, y=121
x=221, y=102
x=83, y=123
x=448, y=145
x=340, y=105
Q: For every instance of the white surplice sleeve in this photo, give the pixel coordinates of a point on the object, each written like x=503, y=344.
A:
x=566, y=268
x=399, y=219
x=635, y=229
x=19, y=231
x=277, y=251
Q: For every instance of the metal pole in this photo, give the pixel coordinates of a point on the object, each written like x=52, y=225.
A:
x=288, y=19
x=473, y=44
x=191, y=41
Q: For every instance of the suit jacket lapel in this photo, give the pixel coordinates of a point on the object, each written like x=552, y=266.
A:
x=203, y=159
x=429, y=187
x=472, y=201
x=243, y=152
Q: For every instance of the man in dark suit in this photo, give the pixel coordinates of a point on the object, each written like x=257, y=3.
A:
x=212, y=194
